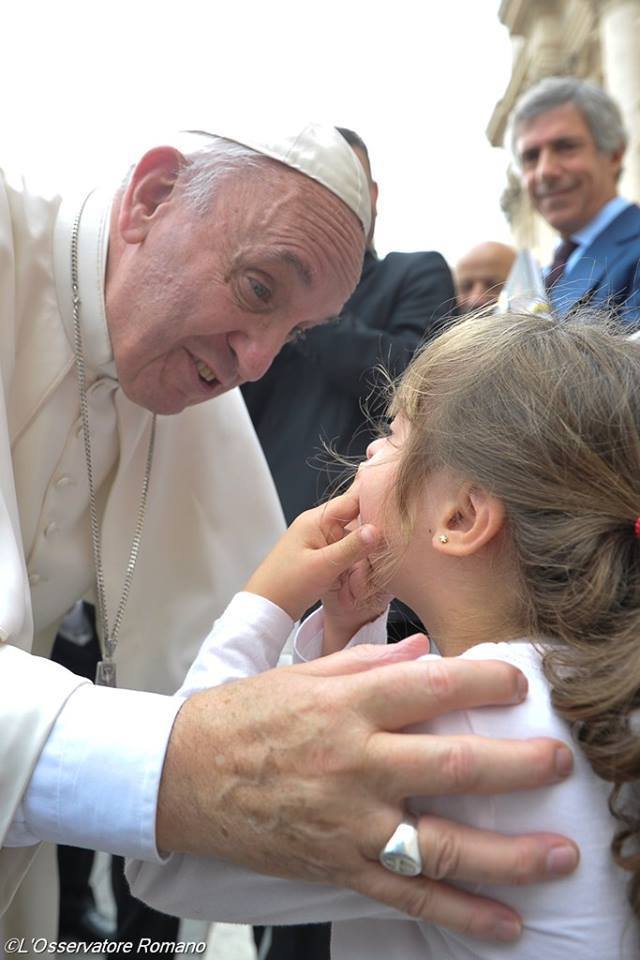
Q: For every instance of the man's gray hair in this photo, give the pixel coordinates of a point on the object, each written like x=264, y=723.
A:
x=209, y=164
x=600, y=111
x=209, y=160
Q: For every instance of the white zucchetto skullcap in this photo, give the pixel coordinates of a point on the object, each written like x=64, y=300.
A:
x=318, y=151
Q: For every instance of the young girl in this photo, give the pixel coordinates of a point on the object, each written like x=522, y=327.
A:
x=508, y=491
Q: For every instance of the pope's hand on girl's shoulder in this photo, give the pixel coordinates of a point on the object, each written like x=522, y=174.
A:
x=314, y=554
x=323, y=739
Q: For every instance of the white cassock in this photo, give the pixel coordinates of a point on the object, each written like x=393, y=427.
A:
x=212, y=509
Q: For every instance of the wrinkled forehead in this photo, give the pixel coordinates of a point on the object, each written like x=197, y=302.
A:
x=317, y=151
x=276, y=215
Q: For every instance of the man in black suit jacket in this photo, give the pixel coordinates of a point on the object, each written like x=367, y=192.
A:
x=315, y=394
x=317, y=388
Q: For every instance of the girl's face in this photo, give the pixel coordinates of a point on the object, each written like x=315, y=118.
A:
x=415, y=560
x=376, y=480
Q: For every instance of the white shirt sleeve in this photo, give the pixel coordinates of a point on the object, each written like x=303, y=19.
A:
x=308, y=639
x=96, y=781
x=246, y=640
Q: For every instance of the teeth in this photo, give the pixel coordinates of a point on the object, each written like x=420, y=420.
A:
x=205, y=372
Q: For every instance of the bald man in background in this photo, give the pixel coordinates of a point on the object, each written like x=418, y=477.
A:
x=481, y=274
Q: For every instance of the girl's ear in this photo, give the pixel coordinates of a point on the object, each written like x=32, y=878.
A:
x=151, y=185
x=469, y=522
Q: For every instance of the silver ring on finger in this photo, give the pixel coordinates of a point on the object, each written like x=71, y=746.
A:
x=401, y=853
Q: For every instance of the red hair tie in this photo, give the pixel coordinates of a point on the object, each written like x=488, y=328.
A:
x=636, y=528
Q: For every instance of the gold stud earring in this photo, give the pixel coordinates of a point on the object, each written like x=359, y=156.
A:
x=443, y=538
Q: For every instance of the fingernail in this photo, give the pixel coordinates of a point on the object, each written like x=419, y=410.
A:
x=564, y=762
x=368, y=534
x=507, y=930
x=562, y=860
x=522, y=688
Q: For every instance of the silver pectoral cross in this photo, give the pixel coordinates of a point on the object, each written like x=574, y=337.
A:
x=106, y=673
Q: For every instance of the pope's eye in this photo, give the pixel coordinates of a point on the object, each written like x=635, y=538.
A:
x=261, y=291
x=296, y=335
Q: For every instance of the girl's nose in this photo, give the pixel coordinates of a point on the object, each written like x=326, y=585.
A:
x=374, y=446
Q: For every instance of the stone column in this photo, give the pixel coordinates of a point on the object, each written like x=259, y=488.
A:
x=545, y=40
x=538, y=27
x=620, y=39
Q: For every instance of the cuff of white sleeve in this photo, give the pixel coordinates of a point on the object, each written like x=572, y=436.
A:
x=307, y=644
x=96, y=782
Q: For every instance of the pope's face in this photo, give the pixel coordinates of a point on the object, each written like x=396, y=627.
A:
x=198, y=303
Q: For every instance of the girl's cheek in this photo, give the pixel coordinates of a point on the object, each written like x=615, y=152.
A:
x=364, y=465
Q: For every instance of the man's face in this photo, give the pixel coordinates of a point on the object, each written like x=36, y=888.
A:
x=568, y=179
x=481, y=275
x=199, y=303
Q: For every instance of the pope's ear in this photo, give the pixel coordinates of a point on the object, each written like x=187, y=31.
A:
x=150, y=186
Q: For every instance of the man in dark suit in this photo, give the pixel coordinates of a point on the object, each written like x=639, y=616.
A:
x=569, y=140
x=320, y=392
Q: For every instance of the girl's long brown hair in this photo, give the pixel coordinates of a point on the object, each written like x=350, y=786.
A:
x=546, y=416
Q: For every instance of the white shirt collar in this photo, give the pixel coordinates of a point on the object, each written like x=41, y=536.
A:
x=93, y=246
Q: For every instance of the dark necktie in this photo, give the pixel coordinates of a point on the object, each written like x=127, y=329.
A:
x=559, y=262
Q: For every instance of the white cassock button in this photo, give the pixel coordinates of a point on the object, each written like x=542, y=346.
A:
x=63, y=482
x=34, y=578
x=51, y=529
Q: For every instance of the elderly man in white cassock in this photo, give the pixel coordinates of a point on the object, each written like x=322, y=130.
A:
x=130, y=471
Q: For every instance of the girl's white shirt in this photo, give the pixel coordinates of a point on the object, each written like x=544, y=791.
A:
x=582, y=917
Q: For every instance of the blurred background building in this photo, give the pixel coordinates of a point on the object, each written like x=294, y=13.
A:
x=598, y=40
